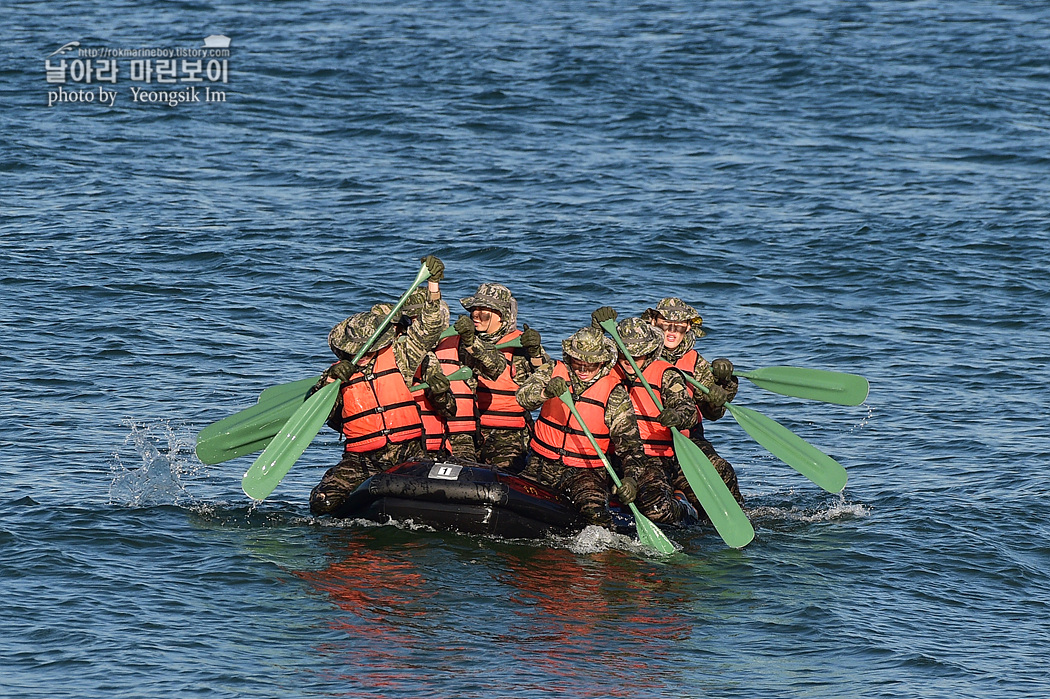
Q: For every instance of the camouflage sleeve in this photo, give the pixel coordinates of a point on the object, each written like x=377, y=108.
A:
x=676, y=397
x=444, y=403
x=623, y=430
x=422, y=336
x=530, y=395
x=483, y=358
x=523, y=368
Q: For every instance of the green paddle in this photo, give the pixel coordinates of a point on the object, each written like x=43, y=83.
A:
x=719, y=504
x=648, y=533
x=290, y=443
x=812, y=384
x=786, y=445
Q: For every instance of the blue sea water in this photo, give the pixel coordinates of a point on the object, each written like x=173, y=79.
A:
x=857, y=187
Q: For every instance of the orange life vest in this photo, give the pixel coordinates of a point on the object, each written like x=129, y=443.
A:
x=558, y=435
x=435, y=426
x=378, y=408
x=687, y=363
x=656, y=439
x=496, y=402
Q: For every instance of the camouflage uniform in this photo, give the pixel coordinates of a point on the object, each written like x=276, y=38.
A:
x=502, y=447
x=656, y=475
x=676, y=311
x=409, y=348
x=588, y=488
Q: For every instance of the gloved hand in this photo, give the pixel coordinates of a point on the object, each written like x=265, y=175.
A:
x=465, y=327
x=716, y=397
x=627, y=491
x=555, y=387
x=602, y=314
x=722, y=368
x=436, y=267
x=668, y=418
x=437, y=381
x=340, y=371
x=530, y=341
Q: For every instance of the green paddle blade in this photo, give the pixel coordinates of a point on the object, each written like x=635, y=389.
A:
x=288, y=390
x=812, y=384
x=721, y=507
x=250, y=430
x=791, y=449
x=286, y=448
x=649, y=534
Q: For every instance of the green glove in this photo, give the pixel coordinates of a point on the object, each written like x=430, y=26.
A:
x=437, y=381
x=465, y=327
x=716, y=397
x=602, y=314
x=627, y=491
x=722, y=368
x=555, y=387
x=436, y=267
x=668, y=418
x=530, y=341
x=340, y=371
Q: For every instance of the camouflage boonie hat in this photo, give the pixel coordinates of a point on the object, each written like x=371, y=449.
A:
x=494, y=296
x=639, y=337
x=348, y=337
x=588, y=345
x=676, y=310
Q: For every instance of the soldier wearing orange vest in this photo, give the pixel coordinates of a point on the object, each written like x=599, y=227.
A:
x=562, y=456
x=375, y=412
x=504, y=424
x=448, y=410
x=659, y=496
x=680, y=325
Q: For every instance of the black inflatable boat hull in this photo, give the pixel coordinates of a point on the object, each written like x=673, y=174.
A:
x=465, y=497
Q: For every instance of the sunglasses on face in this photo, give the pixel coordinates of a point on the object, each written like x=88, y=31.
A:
x=584, y=367
x=668, y=327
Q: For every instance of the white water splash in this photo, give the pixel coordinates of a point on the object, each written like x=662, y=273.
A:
x=151, y=465
x=595, y=539
x=836, y=510
x=864, y=422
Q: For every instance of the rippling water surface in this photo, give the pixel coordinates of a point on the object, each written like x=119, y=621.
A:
x=855, y=187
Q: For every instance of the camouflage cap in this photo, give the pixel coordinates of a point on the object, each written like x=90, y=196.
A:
x=588, y=345
x=676, y=310
x=348, y=337
x=494, y=296
x=639, y=337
